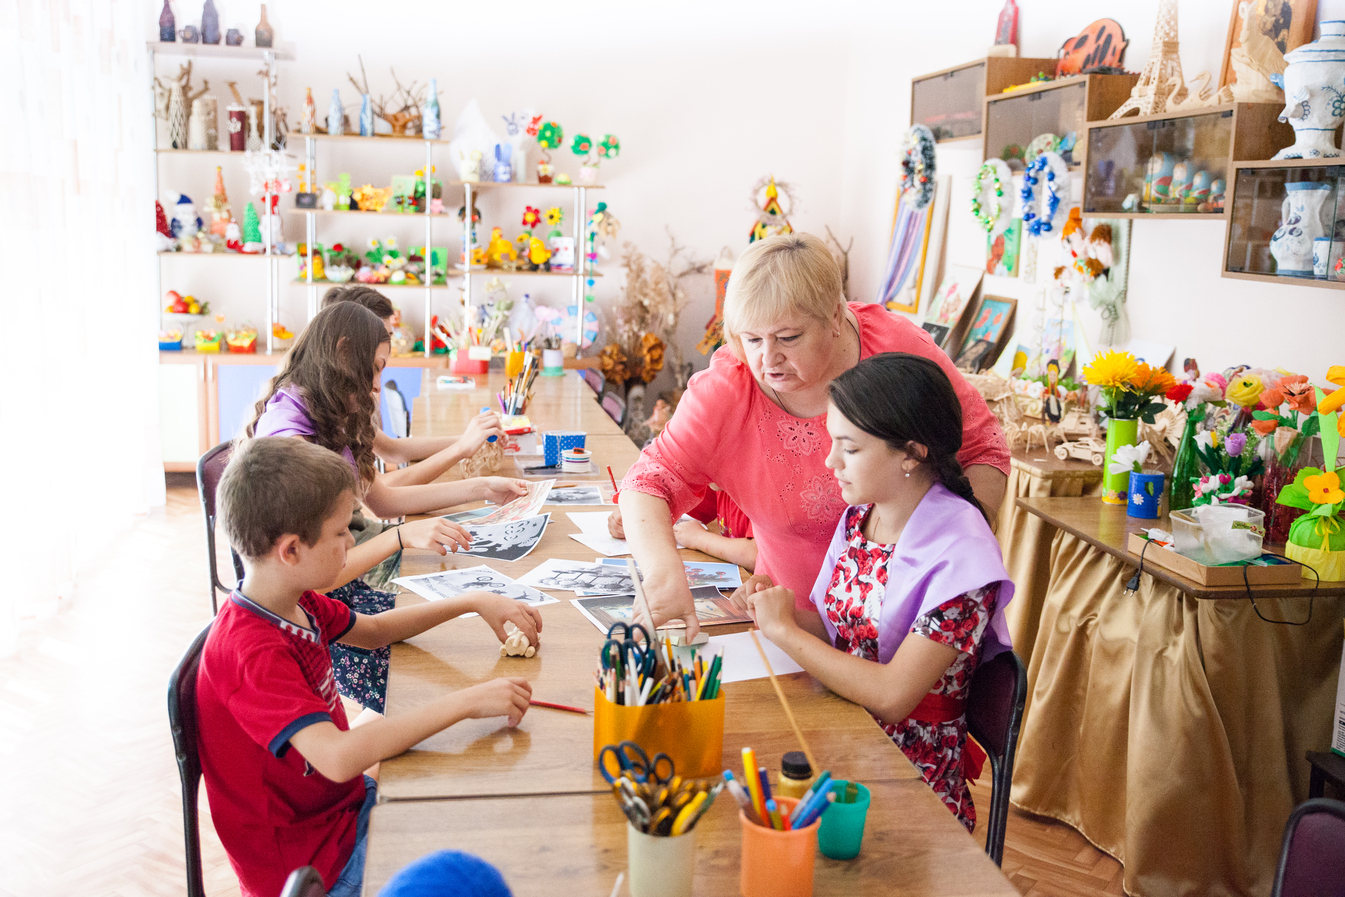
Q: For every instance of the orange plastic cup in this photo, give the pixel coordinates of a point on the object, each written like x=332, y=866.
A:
x=513, y=364
x=778, y=864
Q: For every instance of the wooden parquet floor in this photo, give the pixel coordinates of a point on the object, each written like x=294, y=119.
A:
x=92, y=804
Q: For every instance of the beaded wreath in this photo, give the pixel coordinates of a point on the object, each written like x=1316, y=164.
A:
x=1037, y=170
x=987, y=219
x=917, y=165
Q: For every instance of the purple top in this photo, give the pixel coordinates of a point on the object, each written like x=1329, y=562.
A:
x=945, y=550
x=286, y=414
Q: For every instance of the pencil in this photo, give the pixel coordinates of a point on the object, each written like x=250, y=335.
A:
x=537, y=703
x=779, y=693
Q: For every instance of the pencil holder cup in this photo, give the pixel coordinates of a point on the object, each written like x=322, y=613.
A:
x=689, y=732
x=553, y=363
x=777, y=864
x=1146, y=494
x=557, y=441
x=659, y=867
x=513, y=364
x=842, y=826
x=461, y=364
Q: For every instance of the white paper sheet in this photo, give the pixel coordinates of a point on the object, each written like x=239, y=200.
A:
x=448, y=583
x=742, y=662
x=604, y=544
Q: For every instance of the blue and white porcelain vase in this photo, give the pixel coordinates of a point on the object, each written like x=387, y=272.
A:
x=1303, y=216
x=336, y=115
x=430, y=123
x=1314, y=93
x=366, y=117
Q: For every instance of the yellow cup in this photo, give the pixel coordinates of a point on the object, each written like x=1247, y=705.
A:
x=513, y=364
x=778, y=864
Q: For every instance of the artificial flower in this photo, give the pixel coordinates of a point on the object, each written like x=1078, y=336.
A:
x=609, y=147
x=1324, y=488
x=549, y=135
x=1205, y=393
x=1179, y=392
x=1284, y=439
x=1154, y=381
x=1128, y=458
x=1245, y=390
x=1217, y=380
x=531, y=217
x=554, y=216
x=1235, y=443
x=390, y=243
x=582, y=145
x=1268, y=426
x=373, y=242
x=1111, y=370
x=1334, y=400
x=1208, y=440
x=338, y=248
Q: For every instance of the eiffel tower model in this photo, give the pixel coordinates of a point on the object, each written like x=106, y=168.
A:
x=1161, y=73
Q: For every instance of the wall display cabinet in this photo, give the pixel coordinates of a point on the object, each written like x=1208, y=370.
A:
x=951, y=103
x=1286, y=223
x=1061, y=108
x=1175, y=165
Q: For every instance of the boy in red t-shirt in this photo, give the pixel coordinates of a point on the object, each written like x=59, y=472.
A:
x=281, y=765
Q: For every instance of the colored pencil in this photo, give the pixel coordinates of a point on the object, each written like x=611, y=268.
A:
x=779, y=693
x=537, y=703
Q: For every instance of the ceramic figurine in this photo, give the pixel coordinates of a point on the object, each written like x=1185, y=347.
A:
x=538, y=254
x=1158, y=177
x=1314, y=105
x=504, y=172
x=264, y=34
x=186, y=223
x=254, y=141
x=1217, y=187
x=469, y=167
x=190, y=35
x=336, y=114
x=1304, y=218
x=366, y=117
x=431, y=126
x=1199, y=193
x=308, y=120
x=167, y=24
x=233, y=37
x=1181, y=182
x=196, y=126
x=209, y=23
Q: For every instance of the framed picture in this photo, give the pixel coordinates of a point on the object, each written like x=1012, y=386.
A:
x=938, y=331
x=1002, y=250
x=950, y=301
x=1257, y=30
x=931, y=254
x=987, y=333
x=906, y=248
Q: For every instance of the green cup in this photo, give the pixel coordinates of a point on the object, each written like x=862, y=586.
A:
x=842, y=829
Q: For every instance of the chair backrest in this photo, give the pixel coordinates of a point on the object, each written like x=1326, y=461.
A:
x=615, y=407
x=398, y=414
x=595, y=379
x=304, y=882
x=209, y=470
x=994, y=712
x=1312, y=859
x=182, y=722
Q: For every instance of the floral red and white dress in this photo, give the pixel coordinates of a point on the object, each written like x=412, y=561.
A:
x=853, y=603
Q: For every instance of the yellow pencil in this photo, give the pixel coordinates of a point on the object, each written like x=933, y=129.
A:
x=754, y=783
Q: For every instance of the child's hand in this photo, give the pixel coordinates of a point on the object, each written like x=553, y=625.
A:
x=773, y=609
x=753, y=583
x=687, y=532
x=481, y=428
x=496, y=609
x=436, y=534
x=501, y=490
x=614, y=527
x=498, y=697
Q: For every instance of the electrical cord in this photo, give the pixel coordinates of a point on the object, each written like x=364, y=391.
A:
x=1317, y=581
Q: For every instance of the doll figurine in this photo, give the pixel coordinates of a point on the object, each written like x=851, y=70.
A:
x=469, y=167
x=1180, y=187
x=504, y=171
x=1200, y=190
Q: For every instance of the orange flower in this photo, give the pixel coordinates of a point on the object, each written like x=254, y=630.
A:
x=1151, y=381
x=1265, y=427
x=1324, y=489
x=1293, y=389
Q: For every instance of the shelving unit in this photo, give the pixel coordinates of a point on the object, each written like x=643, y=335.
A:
x=951, y=102
x=1057, y=107
x=469, y=188
x=1206, y=139
x=1256, y=202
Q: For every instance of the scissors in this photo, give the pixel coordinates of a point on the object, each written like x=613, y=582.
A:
x=632, y=762
x=622, y=651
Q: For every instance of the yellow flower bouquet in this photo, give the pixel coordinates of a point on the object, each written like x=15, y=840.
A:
x=1131, y=389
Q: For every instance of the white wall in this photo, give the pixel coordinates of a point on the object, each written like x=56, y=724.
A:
x=708, y=97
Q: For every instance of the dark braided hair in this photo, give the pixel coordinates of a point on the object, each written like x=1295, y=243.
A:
x=903, y=399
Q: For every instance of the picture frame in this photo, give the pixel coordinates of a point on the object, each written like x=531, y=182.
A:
x=958, y=291
x=987, y=333
x=931, y=254
x=1288, y=23
x=906, y=248
x=938, y=332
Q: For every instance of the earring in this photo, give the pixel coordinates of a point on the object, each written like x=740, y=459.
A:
x=908, y=474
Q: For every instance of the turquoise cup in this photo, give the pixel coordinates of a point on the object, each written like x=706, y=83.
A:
x=842, y=829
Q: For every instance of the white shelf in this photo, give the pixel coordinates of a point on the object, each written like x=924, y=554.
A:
x=220, y=50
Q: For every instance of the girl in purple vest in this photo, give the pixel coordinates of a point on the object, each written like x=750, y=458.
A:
x=911, y=596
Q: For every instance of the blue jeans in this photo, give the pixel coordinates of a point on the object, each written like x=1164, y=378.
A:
x=351, y=882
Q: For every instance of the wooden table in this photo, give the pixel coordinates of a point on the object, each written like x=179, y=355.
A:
x=1169, y=725
x=531, y=800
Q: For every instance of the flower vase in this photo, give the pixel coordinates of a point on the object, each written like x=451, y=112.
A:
x=1279, y=518
x=1185, y=466
x=1116, y=486
x=1146, y=495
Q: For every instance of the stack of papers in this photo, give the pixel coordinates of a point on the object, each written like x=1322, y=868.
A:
x=448, y=583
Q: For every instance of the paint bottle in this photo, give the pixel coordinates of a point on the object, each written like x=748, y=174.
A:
x=795, y=775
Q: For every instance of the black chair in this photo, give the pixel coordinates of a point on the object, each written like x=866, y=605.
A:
x=182, y=722
x=994, y=713
x=209, y=470
x=304, y=882
x=1312, y=860
x=1326, y=767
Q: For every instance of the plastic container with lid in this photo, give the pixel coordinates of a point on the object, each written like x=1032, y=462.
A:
x=796, y=776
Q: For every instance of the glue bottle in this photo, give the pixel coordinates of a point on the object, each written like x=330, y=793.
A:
x=795, y=775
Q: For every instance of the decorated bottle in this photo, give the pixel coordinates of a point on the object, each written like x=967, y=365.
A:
x=430, y=121
x=366, y=117
x=336, y=114
x=209, y=23
x=264, y=34
x=309, y=124
x=167, y=24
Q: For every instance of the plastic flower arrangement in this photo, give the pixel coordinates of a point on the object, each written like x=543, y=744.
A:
x=1130, y=458
x=1221, y=488
x=582, y=145
x=1318, y=537
x=531, y=217
x=610, y=147
x=554, y=216
x=1292, y=426
x=1130, y=388
x=1230, y=459
x=550, y=135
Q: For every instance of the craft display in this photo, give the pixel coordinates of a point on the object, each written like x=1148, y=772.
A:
x=210, y=23
x=242, y=340
x=203, y=126
x=1259, y=35
x=233, y=37
x=172, y=101
x=167, y=26
x=1314, y=105
x=336, y=115
x=1099, y=46
x=988, y=202
x=1317, y=539
x=549, y=136
x=917, y=165
x=773, y=218
x=1004, y=248
x=1049, y=172
x=1161, y=86
x=1305, y=217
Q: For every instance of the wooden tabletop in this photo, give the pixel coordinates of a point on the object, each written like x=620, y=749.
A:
x=576, y=844
x=1108, y=527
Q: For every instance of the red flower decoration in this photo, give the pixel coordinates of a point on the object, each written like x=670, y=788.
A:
x=1180, y=392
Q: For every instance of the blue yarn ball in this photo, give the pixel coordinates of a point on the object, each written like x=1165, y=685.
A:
x=447, y=873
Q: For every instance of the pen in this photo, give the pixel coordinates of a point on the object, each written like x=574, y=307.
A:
x=765, y=785
x=489, y=438
x=818, y=808
x=741, y=796
x=753, y=782
x=537, y=703
x=773, y=813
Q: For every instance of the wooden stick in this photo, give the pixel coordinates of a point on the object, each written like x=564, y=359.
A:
x=779, y=693
x=642, y=610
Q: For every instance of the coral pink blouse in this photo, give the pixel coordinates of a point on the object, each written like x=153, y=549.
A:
x=727, y=432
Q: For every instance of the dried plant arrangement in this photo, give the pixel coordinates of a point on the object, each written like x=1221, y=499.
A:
x=402, y=112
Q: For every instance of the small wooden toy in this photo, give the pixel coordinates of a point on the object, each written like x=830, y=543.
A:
x=516, y=644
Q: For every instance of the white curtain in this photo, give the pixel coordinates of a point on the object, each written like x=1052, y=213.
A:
x=79, y=444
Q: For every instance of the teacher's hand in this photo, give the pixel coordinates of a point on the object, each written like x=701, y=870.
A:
x=669, y=596
x=741, y=597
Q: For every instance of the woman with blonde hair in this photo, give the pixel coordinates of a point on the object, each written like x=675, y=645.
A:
x=754, y=423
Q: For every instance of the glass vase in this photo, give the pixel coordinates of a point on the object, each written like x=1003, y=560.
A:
x=1185, y=467
x=1279, y=518
x=1116, y=486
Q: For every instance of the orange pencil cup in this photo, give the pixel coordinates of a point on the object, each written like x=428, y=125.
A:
x=690, y=732
x=513, y=364
x=777, y=864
